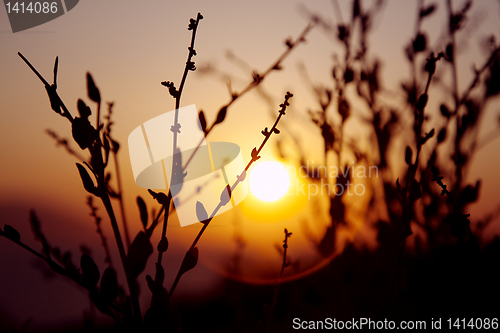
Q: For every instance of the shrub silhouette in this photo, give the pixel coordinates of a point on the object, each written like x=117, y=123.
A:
x=108, y=296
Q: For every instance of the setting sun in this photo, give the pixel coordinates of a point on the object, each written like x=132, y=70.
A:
x=269, y=181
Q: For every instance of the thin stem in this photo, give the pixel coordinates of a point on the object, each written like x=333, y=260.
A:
x=97, y=220
x=98, y=121
x=284, y=264
x=130, y=281
x=439, y=180
x=275, y=66
x=104, y=195
x=163, y=235
x=240, y=178
x=63, y=142
x=175, y=129
x=65, y=113
x=192, y=52
x=120, y=198
x=150, y=230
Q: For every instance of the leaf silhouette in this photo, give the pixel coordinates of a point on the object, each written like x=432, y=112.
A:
x=11, y=233
x=441, y=135
x=109, y=285
x=408, y=155
x=255, y=154
x=203, y=121
x=420, y=43
x=445, y=111
x=162, y=245
x=83, y=109
x=422, y=102
x=201, y=212
x=162, y=198
x=344, y=109
x=348, y=75
x=469, y=194
x=55, y=103
x=90, y=271
x=177, y=173
x=190, y=260
x=81, y=129
x=427, y=11
x=221, y=115
x=427, y=136
x=143, y=211
x=88, y=184
x=56, y=67
x=138, y=254
x=225, y=196
x=92, y=89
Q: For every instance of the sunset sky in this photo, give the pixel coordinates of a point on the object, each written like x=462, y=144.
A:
x=129, y=47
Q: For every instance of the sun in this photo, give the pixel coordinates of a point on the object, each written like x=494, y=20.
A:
x=269, y=181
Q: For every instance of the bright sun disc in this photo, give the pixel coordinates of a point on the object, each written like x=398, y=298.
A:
x=269, y=181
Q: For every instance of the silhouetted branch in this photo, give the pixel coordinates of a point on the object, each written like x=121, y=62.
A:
x=269, y=313
x=257, y=79
x=225, y=198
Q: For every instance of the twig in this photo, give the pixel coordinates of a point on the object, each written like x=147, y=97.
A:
x=258, y=78
x=65, y=112
x=63, y=142
x=98, y=171
x=177, y=94
x=225, y=199
x=284, y=265
x=114, y=151
x=439, y=180
x=97, y=220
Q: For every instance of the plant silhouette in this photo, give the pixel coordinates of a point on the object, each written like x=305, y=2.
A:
x=108, y=296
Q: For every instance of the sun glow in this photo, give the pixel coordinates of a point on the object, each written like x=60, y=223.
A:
x=269, y=181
